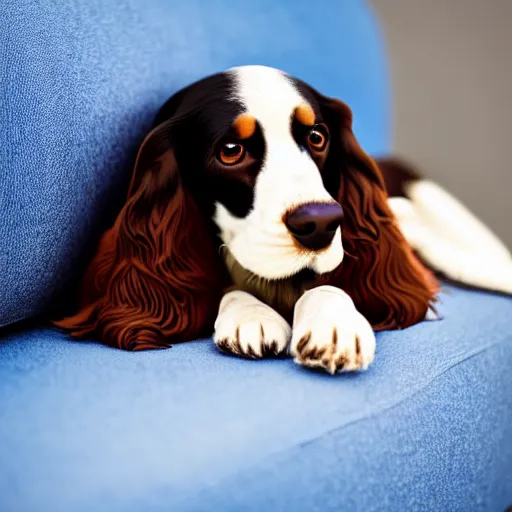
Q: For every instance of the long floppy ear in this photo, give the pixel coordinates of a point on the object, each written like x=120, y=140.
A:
x=156, y=277
x=380, y=272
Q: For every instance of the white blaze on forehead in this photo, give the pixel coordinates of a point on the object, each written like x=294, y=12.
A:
x=288, y=176
x=268, y=95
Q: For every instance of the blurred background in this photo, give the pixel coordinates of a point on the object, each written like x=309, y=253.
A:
x=451, y=63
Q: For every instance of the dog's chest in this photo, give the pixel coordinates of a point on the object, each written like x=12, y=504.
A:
x=281, y=294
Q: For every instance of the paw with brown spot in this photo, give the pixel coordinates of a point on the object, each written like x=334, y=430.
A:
x=253, y=329
x=224, y=346
x=329, y=333
x=272, y=349
x=303, y=342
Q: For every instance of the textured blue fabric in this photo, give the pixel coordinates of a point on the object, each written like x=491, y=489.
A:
x=81, y=81
x=427, y=427
x=84, y=427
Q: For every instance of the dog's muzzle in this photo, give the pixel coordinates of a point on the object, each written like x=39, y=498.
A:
x=313, y=225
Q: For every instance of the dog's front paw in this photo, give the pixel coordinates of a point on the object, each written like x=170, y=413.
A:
x=249, y=328
x=329, y=333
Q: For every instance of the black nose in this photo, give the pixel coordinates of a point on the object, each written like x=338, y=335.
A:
x=313, y=225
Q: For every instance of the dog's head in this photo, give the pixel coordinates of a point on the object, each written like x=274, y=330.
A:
x=252, y=146
x=260, y=163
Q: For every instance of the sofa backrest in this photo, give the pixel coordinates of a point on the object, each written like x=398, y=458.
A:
x=81, y=82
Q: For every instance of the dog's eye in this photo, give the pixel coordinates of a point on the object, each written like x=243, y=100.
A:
x=231, y=153
x=317, y=138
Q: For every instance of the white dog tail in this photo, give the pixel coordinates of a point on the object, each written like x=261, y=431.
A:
x=444, y=233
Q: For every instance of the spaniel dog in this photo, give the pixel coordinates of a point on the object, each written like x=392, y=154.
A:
x=254, y=213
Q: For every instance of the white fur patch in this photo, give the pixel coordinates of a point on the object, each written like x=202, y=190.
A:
x=289, y=177
x=246, y=326
x=451, y=239
x=329, y=333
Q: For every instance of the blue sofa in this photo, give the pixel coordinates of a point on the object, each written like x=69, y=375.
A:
x=84, y=427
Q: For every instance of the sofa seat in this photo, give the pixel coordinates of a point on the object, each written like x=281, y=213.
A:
x=428, y=427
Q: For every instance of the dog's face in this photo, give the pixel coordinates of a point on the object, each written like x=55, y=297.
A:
x=253, y=143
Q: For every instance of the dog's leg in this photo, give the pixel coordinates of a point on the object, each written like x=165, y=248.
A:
x=450, y=239
x=329, y=333
x=247, y=327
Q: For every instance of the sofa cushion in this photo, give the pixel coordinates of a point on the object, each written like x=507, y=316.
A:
x=427, y=427
x=82, y=81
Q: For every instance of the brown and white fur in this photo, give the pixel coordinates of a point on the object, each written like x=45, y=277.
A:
x=208, y=239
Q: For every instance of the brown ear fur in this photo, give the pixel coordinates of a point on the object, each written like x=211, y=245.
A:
x=380, y=272
x=156, y=277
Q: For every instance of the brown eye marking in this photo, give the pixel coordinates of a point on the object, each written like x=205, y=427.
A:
x=245, y=126
x=231, y=153
x=317, y=138
x=305, y=114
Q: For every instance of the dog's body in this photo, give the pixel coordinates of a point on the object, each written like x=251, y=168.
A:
x=254, y=211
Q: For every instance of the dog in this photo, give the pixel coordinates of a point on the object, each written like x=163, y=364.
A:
x=254, y=213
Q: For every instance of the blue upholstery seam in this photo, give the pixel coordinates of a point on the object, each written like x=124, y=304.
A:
x=411, y=395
